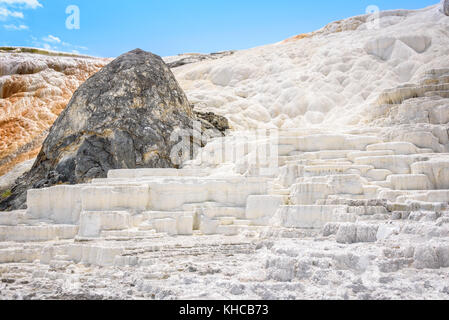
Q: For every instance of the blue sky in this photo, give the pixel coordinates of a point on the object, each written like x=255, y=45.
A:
x=109, y=28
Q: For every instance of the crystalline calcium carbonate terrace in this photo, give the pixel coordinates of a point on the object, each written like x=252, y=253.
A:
x=356, y=205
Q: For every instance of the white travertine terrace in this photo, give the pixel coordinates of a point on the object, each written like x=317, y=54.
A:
x=350, y=201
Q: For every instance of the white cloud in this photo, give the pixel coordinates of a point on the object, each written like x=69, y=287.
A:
x=13, y=27
x=54, y=43
x=75, y=48
x=5, y=13
x=51, y=39
x=28, y=4
x=46, y=46
x=12, y=9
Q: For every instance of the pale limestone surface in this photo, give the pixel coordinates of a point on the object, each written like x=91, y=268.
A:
x=331, y=227
x=354, y=207
x=331, y=78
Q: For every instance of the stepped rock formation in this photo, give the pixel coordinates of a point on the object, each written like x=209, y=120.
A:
x=35, y=86
x=122, y=117
x=333, y=183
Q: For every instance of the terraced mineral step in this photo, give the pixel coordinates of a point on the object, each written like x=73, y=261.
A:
x=37, y=233
x=19, y=255
x=312, y=216
x=409, y=182
x=92, y=223
x=150, y=173
x=148, y=203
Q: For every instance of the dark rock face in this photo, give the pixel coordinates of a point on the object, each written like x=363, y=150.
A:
x=446, y=7
x=122, y=117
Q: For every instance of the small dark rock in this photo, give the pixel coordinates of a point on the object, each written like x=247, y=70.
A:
x=211, y=121
x=8, y=281
x=386, y=280
x=192, y=269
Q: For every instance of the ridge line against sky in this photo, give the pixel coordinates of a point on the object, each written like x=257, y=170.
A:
x=169, y=27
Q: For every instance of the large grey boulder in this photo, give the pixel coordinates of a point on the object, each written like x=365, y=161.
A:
x=122, y=117
x=446, y=7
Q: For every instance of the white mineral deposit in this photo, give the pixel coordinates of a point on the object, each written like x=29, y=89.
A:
x=342, y=192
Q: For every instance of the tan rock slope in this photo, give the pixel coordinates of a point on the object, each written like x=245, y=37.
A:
x=35, y=86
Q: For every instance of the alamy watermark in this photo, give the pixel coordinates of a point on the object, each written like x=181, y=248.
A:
x=73, y=21
x=373, y=21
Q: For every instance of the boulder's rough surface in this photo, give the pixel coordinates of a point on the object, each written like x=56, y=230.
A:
x=122, y=117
